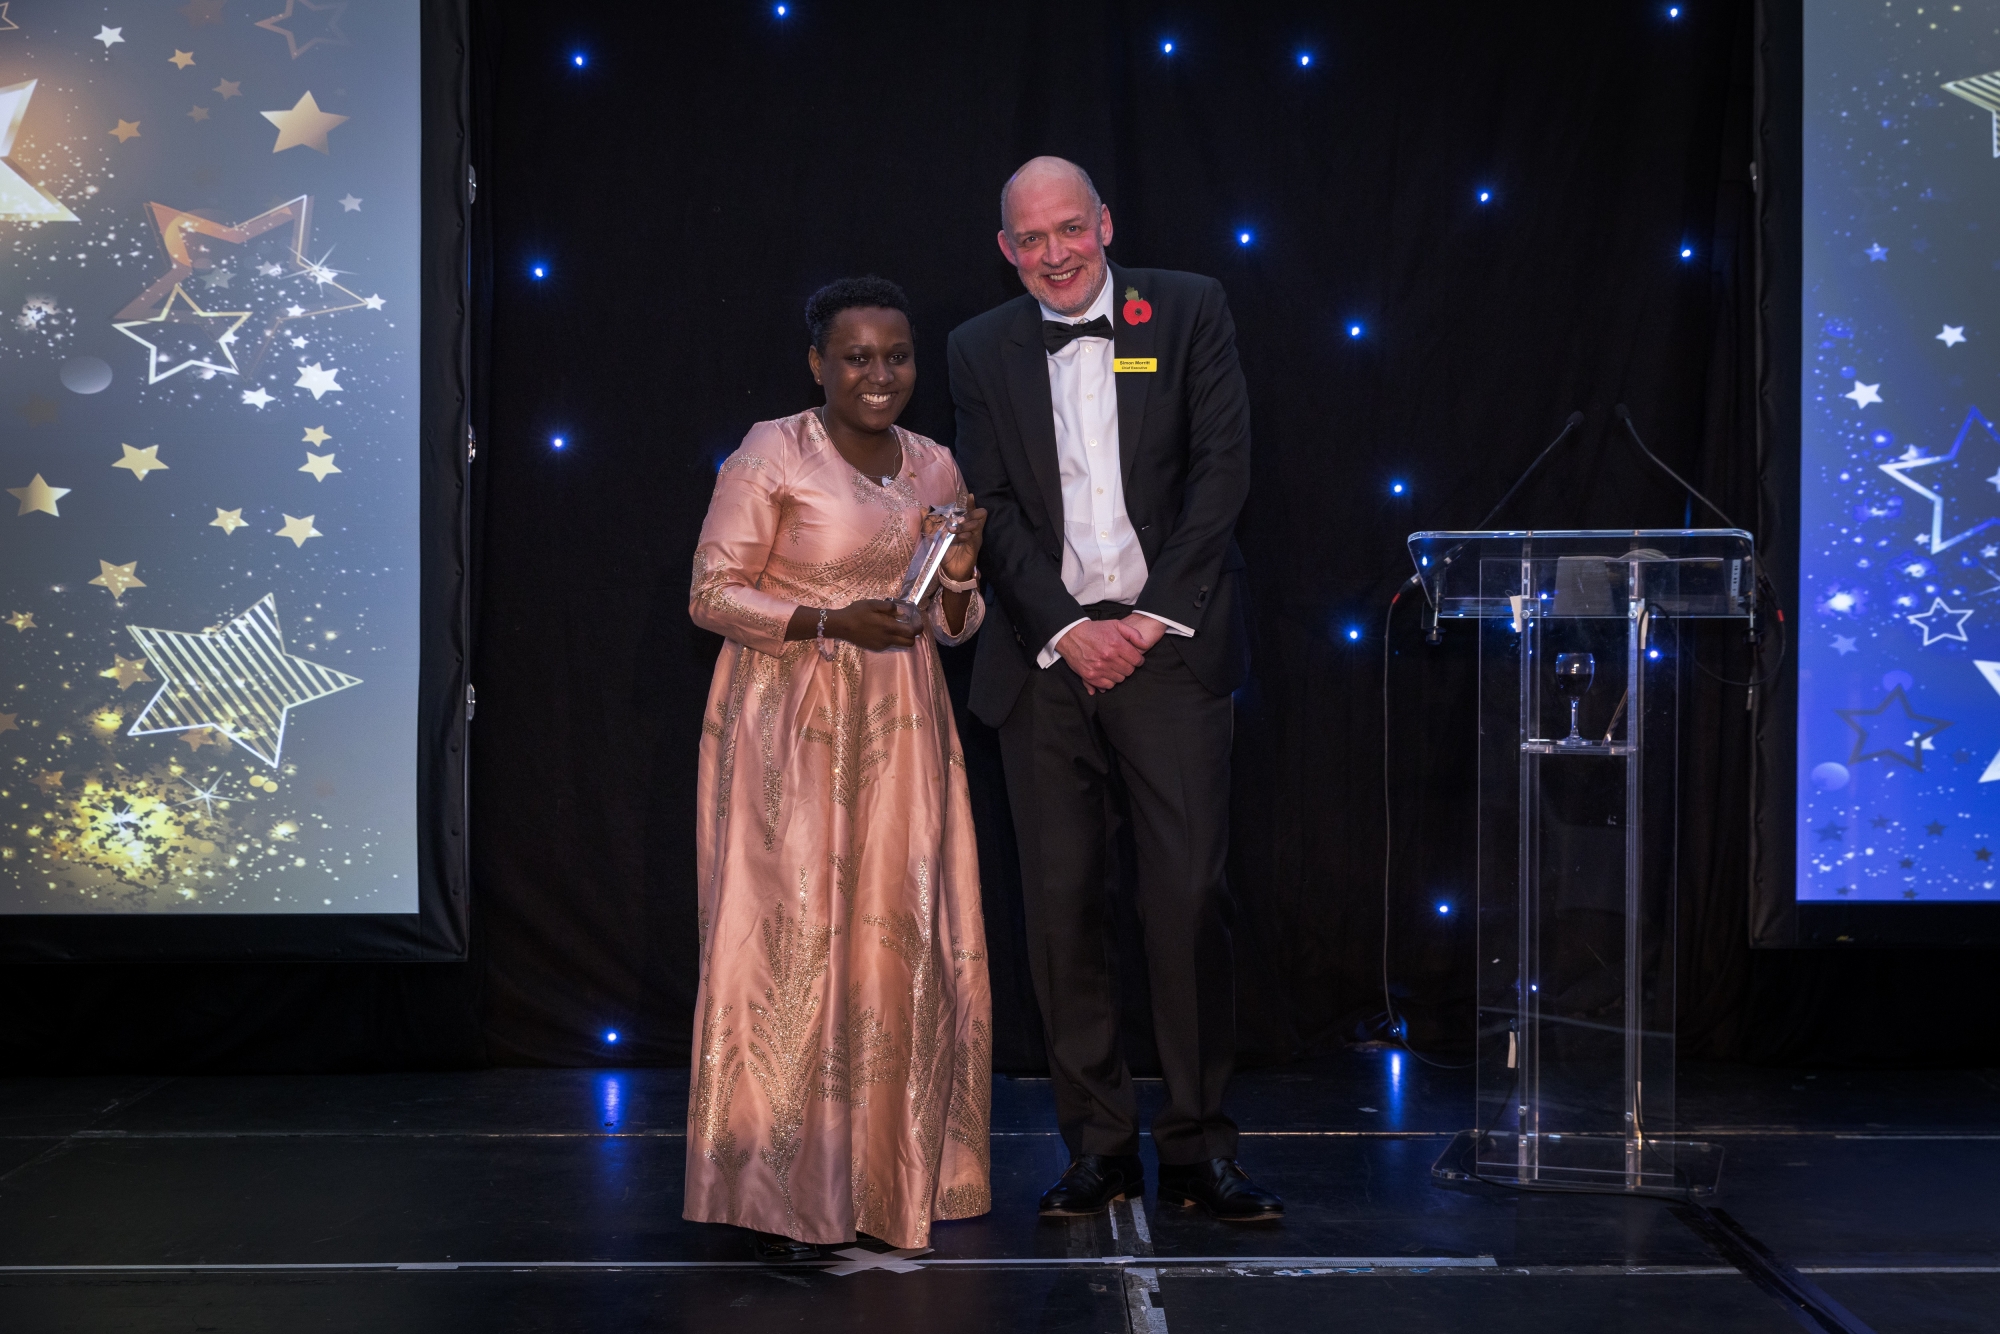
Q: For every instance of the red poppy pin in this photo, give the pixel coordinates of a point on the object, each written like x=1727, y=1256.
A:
x=1138, y=310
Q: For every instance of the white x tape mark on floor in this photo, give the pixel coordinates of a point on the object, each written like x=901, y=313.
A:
x=855, y=1259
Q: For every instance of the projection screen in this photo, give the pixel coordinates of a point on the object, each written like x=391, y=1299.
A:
x=222, y=725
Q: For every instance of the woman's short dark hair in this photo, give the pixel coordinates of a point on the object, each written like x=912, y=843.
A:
x=825, y=305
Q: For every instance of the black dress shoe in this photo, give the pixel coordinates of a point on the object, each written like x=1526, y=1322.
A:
x=1091, y=1182
x=1222, y=1188
x=774, y=1249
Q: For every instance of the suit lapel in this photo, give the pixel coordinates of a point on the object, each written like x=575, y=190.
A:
x=1130, y=340
x=1028, y=387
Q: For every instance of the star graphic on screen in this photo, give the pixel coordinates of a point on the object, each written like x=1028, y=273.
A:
x=319, y=465
x=49, y=780
x=238, y=680
x=109, y=36
x=316, y=435
x=196, y=738
x=1934, y=829
x=373, y=302
x=1953, y=335
x=1933, y=622
x=1843, y=644
x=227, y=520
x=127, y=672
x=299, y=529
x=23, y=621
x=125, y=130
x=1901, y=736
x=1878, y=822
x=192, y=244
x=217, y=278
x=205, y=797
x=1982, y=854
x=139, y=462
x=38, y=497
x=349, y=204
x=1907, y=863
x=21, y=200
x=318, y=379
x=120, y=579
x=184, y=335
x=257, y=397
x=1945, y=478
x=181, y=59
x=1864, y=394
x=1876, y=254
x=6, y=24
x=304, y=126
x=198, y=113
x=228, y=89
x=7, y=723
x=1831, y=833
x=294, y=16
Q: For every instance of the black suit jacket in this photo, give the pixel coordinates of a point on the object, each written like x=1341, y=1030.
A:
x=1183, y=453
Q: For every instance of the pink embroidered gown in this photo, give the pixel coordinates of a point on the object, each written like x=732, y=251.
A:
x=843, y=1042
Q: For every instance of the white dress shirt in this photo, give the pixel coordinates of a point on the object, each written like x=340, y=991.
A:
x=1101, y=560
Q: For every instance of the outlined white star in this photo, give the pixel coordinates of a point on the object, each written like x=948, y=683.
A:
x=1991, y=671
x=1953, y=335
x=145, y=333
x=1911, y=460
x=1864, y=394
x=1938, y=613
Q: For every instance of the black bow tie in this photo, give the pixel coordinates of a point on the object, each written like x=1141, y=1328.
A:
x=1056, y=335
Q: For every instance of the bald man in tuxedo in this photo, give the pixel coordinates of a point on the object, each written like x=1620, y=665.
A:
x=1104, y=424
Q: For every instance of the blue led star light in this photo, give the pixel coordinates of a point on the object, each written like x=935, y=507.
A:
x=1353, y=633
x=557, y=442
x=1687, y=252
x=1673, y=11
x=1354, y=331
x=1397, y=488
x=577, y=60
x=1166, y=48
x=1485, y=196
x=783, y=10
x=1444, y=910
x=611, y=1036
x=539, y=270
x=1242, y=238
x=1305, y=59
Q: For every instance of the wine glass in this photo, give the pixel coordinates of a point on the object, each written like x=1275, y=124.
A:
x=1574, y=672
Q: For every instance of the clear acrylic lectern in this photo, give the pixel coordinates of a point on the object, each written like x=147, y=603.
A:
x=1581, y=662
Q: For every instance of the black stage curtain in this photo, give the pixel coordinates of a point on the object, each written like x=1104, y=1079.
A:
x=707, y=167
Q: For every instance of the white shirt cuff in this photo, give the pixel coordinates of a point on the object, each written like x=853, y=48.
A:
x=1173, y=627
x=1048, y=656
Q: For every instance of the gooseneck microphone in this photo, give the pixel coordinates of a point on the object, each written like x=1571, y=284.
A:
x=1575, y=420
x=1624, y=414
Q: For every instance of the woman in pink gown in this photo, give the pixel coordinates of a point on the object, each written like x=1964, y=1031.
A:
x=842, y=1042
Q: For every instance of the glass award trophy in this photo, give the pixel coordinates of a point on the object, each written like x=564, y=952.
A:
x=940, y=529
x=1584, y=643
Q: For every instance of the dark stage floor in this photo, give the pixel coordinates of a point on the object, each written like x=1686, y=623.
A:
x=550, y=1200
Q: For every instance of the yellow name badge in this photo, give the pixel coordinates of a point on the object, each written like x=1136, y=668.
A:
x=1129, y=365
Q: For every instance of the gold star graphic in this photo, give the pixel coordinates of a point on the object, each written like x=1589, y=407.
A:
x=49, y=780
x=190, y=244
x=228, y=89
x=191, y=332
x=21, y=200
x=198, y=113
x=319, y=465
x=127, y=672
x=23, y=621
x=7, y=722
x=305, y=125
x=6, y=24
x=38, y=496
x=38, y=410
x=299, y=529
x=139, y=462
x=199, y=737
x=199, y=12
x=238, y=680
x=227, y=520
x=181, y=59
x=126, y=130
x=330, y=36
x=118, y=578
x=316, y=435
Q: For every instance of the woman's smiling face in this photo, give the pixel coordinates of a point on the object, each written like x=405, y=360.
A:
x=869, y=367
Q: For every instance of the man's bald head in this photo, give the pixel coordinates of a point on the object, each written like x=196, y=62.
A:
x=1049, y=171
x=1053, y=230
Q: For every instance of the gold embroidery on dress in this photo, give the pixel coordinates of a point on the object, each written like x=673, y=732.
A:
x=736, y=461
x=785, y=1037
x=851, y=731
x=862, y=1055
x=714, y=1095
x=724, y=729
x=971, y=1119
x=871, y=1210
x=873, y=570
x=846, y=879
x=910, y=936
x=710, y=590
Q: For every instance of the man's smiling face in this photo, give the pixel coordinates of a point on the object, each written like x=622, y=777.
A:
x=1054, y=235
